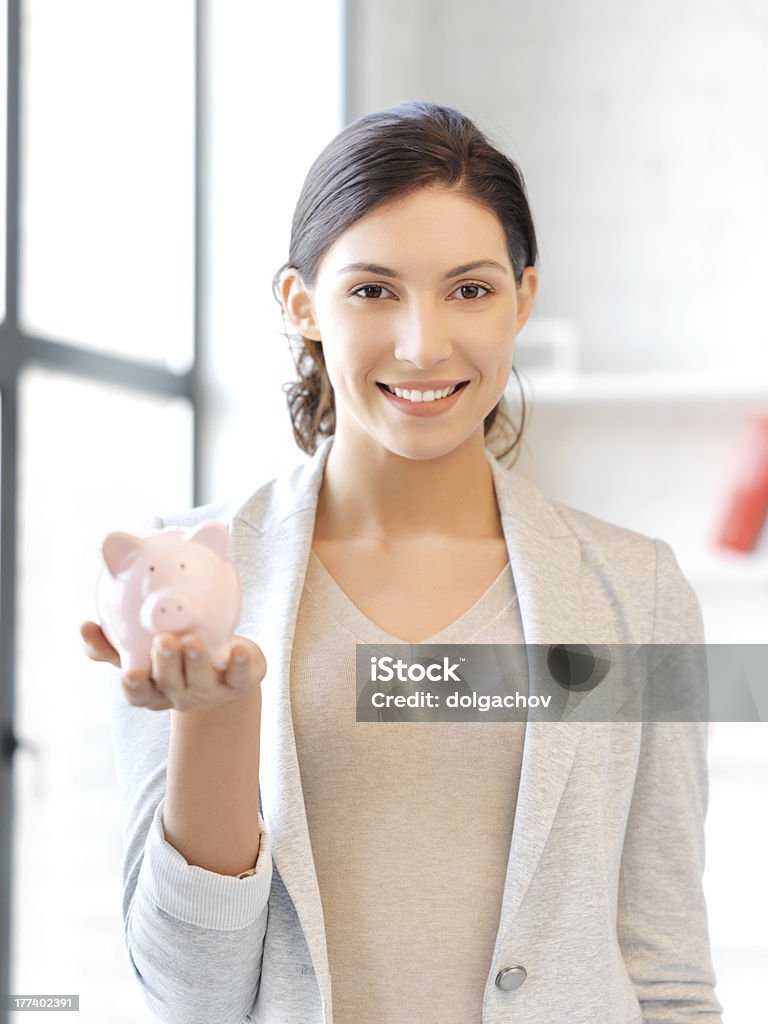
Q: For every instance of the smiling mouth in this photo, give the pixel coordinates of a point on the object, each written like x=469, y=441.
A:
x=429, y=395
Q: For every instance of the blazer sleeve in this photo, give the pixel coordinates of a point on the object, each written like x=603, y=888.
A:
x=194, y=937
x=662, y=918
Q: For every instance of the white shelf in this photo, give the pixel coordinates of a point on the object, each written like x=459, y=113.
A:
x=641, y=387
x=708, y=567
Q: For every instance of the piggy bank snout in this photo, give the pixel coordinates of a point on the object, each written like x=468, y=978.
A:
x=169, y=610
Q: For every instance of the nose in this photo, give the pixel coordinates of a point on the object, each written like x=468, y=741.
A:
x=423, y=336
x=169, y=610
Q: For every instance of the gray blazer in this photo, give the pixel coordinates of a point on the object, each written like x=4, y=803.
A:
x=603, y=919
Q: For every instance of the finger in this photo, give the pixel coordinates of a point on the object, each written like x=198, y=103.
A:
x=98, y=648
x=246, y=664
x=202, y=679
x=167, y=668
x=140, y=691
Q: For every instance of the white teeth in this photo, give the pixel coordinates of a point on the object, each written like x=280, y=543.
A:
x=421, y=396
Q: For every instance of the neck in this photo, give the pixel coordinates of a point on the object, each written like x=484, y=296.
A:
x=377, y=495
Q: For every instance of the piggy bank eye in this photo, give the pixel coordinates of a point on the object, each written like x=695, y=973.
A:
x=182, y=566
x=151, y=568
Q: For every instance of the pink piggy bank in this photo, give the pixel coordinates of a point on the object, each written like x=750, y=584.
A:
x=173, y=581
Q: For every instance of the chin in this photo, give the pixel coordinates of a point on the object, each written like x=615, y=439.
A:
x=425, y=449
x=417, y=441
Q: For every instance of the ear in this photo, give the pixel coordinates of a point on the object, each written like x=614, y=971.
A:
x=120, y=551
x=297, y=304
x=211, y=534
x=526, y=294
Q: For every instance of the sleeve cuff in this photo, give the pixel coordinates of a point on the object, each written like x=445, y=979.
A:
x=200, y=897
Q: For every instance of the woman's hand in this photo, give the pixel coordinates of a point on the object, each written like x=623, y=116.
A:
x=182, y=677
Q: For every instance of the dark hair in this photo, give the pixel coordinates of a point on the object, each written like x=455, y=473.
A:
x=374, y=160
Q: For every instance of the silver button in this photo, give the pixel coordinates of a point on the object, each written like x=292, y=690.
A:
x=511, y=977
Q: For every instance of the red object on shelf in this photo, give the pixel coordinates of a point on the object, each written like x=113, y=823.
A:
x=747, y=506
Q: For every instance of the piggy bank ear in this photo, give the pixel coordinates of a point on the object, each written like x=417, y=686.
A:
x=120, y=551
x=211, y=534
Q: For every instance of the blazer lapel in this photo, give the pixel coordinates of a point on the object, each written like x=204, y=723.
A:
x=545, y=557
x=272, y=538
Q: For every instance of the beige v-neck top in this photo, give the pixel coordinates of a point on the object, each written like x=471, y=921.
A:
x=410, y=822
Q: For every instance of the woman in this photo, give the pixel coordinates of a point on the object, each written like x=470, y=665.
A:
x=547, y=872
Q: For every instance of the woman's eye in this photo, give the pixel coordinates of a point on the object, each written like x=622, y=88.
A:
x=373, y=291
x=471, y=291
x=467, y=291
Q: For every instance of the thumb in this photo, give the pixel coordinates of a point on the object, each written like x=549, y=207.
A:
x=97, y=647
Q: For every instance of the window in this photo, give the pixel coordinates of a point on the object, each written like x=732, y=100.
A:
x=99, y=384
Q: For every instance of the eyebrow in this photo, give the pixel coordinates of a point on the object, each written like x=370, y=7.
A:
x=464, y=268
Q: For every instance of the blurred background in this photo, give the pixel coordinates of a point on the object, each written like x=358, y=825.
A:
x=152, y=153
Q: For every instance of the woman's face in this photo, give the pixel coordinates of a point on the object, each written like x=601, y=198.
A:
x=417, y=309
